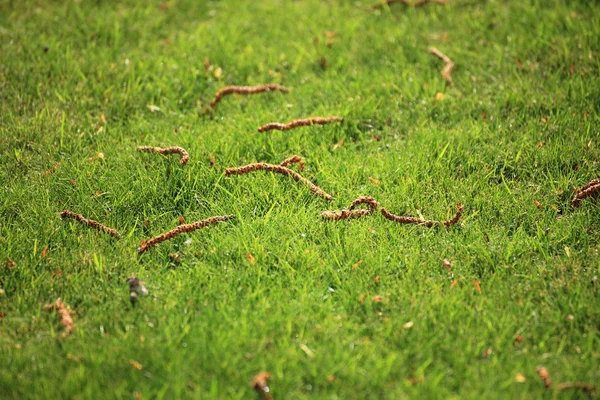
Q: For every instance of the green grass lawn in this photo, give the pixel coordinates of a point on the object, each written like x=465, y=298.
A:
x=83, y=83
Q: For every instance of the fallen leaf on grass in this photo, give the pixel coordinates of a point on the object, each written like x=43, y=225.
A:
x=251, y=258
x=218, y=72
x=519, y=339
x=520, y=378
x=11, y=264
x=454, y=282
x=376, y=280
x=357, y=264
x=446, y=264
x=408, y=325
x=72, y=357
x=135, y=365
x=476, y=283
x=439, y=96
x=260, y=384
x=544, y=376
x=330, y=378
x=567, y=251
x=377, y=299
x=537, y=203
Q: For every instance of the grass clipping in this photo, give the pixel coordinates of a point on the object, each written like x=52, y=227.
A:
x=282, y=169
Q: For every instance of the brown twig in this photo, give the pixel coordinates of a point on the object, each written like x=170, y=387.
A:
x=260, y=384
x=243, y=90
x=448, y=64
x=418, y=3
x=544, y=376
x=147, y=244
x=167, y=150
x=299, y=122
x=280, y=169
x=94, y=224
x=420, y=221
x=65, y=313
x=588, y=190
x=351, y=212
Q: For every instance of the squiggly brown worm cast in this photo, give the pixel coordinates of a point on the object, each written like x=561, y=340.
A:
x=244, y=90
x=65, y=313
x=283, y=170
x=299, y=122
x=166, y=151
x=448, y=64
x=588, y=190
x=352, y=212
x=425, y=222
x=407, y=3
x=148, y=244
x=90, y=222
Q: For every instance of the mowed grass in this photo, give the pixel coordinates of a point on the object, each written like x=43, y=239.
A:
x=277, y=289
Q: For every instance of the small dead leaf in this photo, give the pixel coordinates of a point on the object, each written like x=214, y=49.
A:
x=373, y=231
x=251, y=258
x=487, y=352
x=572, y=69
x=378, y=138
x=330, y=378
x=218, y=72
x=540, y=144
x=520, y=378
x=454, y=282
x=138, y=396
x=135, y=365
x=356, y=264
x=519, y=339
x=45, y=252
x=174, y=257
x=537, y=203
x=11, y=264
x=446, y=264
x=376, y=280
x=544, y=376
x=260, y=384
x=375, y=181
x=476, y=283
x=103, y=118
x=330, y=35
x=567, y=251
x=181, y=220
x=211, y=159
x=408, y=325
x=569, y=317
x=72, y=357
x=361, y=299
x=323, y=62
x=73, y=182
x=377, y=299
x=439, y=96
